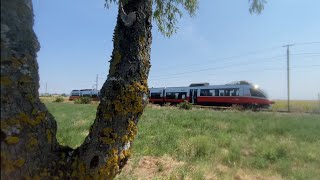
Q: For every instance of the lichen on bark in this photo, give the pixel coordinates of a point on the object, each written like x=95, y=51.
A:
x=29, y=148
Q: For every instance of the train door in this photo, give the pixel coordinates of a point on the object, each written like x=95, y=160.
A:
x=193, y=95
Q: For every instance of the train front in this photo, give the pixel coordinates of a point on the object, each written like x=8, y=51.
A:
x=259, y=97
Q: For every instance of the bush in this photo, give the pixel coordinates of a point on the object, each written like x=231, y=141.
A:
x=59, y=99
x=83, y=100
x=185, y=105
x=167, y=104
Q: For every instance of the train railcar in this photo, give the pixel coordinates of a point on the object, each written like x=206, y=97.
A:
x=175, y=95
x=239, y=93
x=92, y=93
x=156, y=95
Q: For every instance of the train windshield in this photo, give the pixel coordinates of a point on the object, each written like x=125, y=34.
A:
x=257, y=93
x=75, y=94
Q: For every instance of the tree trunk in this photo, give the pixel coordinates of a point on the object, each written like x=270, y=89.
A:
x=29, y=148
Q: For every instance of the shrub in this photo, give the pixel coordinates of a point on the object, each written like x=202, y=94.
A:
x=185, y=105
x=59, y=99
x=83, y=100
x=167, y=104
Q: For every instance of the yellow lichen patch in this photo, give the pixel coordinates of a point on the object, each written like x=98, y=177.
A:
x=25, y=79
x=125, y=138
x=12, y=140
x=19, y=163
x=117, y=57
x=108, y=136
x=32, y=143
x=49, y=136
x=107, y=115
x=106, y=140
x=118, y=106
x=125, y=154
x=36, y=177
x=8, y=165
x=139, y=87
x=31, y=98
x=5, y=81
x=79, y=170
x=15, y=62
x=35, y=121
x=60, y=173
x=144, y=82
x=115, y=62
x=132, y=130
x=111, y=168
x=39, y=118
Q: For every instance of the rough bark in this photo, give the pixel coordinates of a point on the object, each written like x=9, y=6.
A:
x=29, y=148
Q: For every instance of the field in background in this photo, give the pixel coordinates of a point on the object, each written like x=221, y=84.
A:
x=310, y=106
x=206, y=144
x=301, y=106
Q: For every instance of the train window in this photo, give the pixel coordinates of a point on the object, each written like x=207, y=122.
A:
x=256, y=93
x=204, y=92
x=176, y=95
x=209, y=92
x=216, y=92
x=182, y=95
x=234, y=92
x=221, y=92
x=155, y=96
x=213, y=92
x=227, y=92
x=171, y=95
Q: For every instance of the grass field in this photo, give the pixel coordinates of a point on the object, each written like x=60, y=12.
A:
x=205, y=144
x=297, y=106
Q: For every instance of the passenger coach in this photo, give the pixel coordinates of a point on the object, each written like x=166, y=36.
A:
x=92, y=93
x=238, y=93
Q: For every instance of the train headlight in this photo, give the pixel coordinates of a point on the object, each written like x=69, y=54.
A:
x=256, y=86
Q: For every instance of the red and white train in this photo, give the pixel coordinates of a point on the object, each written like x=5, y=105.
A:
x=239, y=93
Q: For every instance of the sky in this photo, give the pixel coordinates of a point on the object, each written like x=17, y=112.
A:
x=223, y=43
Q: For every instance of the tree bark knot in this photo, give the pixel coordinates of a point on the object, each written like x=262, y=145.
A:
x=127, y=19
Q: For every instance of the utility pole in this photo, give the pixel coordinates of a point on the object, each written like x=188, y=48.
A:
x=97, y=78
x=288, y=73
x=46, y=88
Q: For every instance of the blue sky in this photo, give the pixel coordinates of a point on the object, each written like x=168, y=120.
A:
x=221, y=44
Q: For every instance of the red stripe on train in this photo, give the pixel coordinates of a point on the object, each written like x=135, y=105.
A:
x=233, y=100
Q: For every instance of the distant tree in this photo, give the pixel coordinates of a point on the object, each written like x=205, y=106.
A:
x=29, y=148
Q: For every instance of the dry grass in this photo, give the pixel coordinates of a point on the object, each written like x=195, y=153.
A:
x=309, y=106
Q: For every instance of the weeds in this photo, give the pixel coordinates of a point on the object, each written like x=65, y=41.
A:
x=83, y=100
x=59, y=99
x=185, y=105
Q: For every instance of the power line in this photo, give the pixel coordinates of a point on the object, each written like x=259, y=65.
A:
x=274, y=58
x=221, y=67
x=238, y=56
x=234, y=72
x=227, y=58
x=307, y=43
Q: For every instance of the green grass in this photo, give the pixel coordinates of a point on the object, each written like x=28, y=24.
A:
x=73, y=121
x=254, y=143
